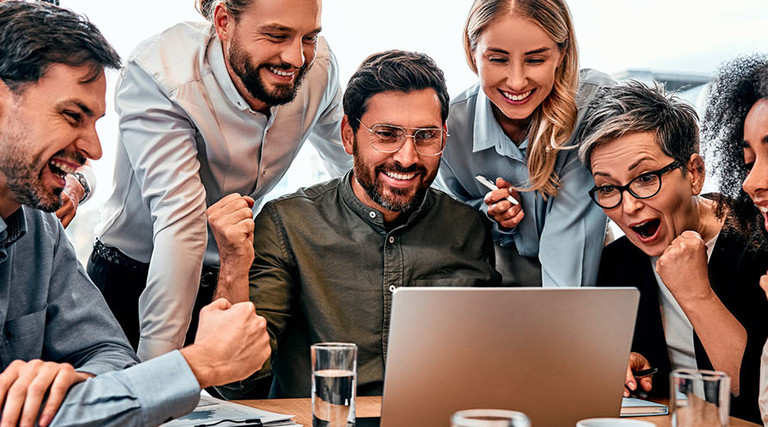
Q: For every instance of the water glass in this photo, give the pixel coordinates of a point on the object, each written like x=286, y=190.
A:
x=699, y=398
x=489, y=418
x=334, y=380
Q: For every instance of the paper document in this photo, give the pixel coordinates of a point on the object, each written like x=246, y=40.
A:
x=212, y=412
x=633, y=407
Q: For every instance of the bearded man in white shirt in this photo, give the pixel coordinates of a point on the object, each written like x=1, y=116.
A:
x=206, y=109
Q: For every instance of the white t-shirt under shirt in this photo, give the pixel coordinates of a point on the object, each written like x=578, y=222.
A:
x=678, y=330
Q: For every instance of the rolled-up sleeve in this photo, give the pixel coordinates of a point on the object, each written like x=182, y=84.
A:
x=160, y=143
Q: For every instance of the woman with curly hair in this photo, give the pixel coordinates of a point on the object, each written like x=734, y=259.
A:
x=516, y=127
x=735, y=130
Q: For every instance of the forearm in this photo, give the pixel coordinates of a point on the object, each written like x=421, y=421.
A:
x=722, y=336
x=233, y=282
x=165, y=306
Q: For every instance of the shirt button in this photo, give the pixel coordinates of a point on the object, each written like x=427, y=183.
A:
x=372, y=214
x=391, y=239
x=392, y=288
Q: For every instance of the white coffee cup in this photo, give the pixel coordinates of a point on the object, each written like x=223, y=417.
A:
x=613, y=422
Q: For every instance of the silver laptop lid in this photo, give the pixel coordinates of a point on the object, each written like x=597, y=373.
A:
x=558, y=355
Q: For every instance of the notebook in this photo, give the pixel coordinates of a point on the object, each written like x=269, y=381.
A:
x=558, y=355
x=634, y=407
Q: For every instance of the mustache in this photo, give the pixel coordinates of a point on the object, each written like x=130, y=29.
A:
x=71, y=156
x=283, y=66
x=397, y=167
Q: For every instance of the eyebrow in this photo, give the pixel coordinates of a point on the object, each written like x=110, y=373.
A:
x=283, y=28
x=631, y=167
x=530, y=52
x=637, y=163
x=84, y=108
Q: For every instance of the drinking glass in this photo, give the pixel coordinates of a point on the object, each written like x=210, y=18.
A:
x=699, y=398
x=334, y=380
x=489, y=418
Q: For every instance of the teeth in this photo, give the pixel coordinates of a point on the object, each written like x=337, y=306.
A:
x=400, y=176
x=763, y=209
x=516, y=97
x=280, y=72
x=63, y=166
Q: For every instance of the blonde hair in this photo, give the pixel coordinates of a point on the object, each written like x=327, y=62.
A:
x=554, y=120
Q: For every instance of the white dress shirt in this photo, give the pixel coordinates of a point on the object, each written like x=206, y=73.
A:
x=188, y=138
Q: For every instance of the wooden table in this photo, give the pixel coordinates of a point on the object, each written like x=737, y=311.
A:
x=370, y=406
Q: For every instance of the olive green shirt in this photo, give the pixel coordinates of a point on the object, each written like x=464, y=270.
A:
x=326, y=266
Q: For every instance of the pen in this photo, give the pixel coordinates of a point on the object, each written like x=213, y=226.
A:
x=490, y=185
x=645, y=372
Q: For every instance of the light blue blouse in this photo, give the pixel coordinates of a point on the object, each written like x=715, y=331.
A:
x=566, y=232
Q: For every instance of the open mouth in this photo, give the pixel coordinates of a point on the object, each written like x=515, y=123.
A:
x=646, y=229
x=516, y=98
x=399, y=175
x=60, y=169
x=280, y=72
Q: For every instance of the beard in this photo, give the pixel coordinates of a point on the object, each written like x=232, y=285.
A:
x=403, y=200
x=21, y=176
x=251, y=77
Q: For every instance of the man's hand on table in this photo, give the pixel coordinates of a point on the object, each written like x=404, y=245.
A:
x=24, y=385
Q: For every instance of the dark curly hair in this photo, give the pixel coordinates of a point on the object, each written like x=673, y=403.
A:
x=736, y=87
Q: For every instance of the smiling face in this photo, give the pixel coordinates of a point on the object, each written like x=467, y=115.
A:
x=46, y=131
x=650, y=224
x=269, y=47
x=393, y=182
x=756, y=156
x=516, y=62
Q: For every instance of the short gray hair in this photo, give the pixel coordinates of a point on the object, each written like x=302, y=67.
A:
x=634, y=107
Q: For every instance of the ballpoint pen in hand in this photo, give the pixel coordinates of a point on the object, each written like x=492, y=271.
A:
x=645, y=373
x=491, y=186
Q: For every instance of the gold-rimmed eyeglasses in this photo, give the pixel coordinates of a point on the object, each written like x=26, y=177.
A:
x=390, y=138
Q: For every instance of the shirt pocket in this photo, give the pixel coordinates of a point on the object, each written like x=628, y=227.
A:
x=24, y=336
x=451, y=282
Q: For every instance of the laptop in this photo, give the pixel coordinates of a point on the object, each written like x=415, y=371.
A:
x=557, y=354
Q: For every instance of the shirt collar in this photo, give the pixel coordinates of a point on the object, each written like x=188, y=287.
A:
x=220, y=73
x=488, y=133
x=371, y=215
x=13, y=228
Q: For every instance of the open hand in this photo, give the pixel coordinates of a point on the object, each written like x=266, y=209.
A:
x=23, y=386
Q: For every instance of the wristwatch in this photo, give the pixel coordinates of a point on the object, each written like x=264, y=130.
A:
x=86, y=187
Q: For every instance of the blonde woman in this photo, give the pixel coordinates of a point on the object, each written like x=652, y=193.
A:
x=516, y=127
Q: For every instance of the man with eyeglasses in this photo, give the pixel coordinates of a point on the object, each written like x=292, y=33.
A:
x=328, y=257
